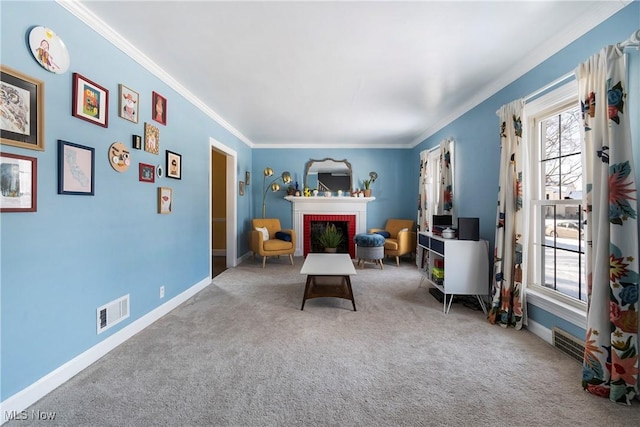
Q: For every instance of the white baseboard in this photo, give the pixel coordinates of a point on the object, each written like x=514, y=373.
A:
x=540, y=331
x=45, y=385
x=244, y=257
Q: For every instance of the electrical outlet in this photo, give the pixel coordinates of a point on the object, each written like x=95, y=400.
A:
x=161, y=291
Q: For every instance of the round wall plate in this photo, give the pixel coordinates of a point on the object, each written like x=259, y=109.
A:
x=159, y=171
x=119, y=157
x=49, y=50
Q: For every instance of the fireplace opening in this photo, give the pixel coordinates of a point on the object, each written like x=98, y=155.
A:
x=314, y=224
x=318, y=227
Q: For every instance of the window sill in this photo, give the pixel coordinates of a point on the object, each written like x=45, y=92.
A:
x=574, y=315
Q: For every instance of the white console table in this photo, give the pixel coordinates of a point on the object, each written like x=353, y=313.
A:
x=466, y=266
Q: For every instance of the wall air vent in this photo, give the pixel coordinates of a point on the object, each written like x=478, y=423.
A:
x=113, y=313
x=568, y=344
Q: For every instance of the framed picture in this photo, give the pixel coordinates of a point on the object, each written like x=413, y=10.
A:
x=165, y=200
x=18, y=183
x=76, y=169
x=146, y=173
x=159, y=104
x=90, y=101
x=21, y=121
x=136, y=142
x=247, y=178
x=174, y=165
x=241, y=188
x=128, y=102
x=151, y=138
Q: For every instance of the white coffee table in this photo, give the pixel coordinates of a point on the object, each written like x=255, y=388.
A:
x=331, y=266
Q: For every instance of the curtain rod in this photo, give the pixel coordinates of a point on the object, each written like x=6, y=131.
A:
x=632, y=41
x=556, y=82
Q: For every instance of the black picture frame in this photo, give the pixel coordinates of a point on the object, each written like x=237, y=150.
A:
x=173, y=165
x=136, y=142
x=76, y=169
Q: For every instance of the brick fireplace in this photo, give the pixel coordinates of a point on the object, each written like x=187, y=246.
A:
x=305, y=210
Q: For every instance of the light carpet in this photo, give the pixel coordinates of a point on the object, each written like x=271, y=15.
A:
x=242, y=353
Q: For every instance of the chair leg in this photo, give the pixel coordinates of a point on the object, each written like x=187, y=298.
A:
x=291, y=258
x=264, y=261
x=397, y=261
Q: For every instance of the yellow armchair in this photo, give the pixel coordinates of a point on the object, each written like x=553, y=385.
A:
x=402, y=238
x=273, y=246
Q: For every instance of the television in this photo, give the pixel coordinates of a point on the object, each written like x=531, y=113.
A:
x=442, y=220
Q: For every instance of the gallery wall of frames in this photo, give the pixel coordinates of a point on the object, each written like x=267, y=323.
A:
x=22, y=125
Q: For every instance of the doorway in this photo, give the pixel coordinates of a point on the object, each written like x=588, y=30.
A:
x=222, y=207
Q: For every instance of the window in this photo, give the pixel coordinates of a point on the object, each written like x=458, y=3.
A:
x=557, y=224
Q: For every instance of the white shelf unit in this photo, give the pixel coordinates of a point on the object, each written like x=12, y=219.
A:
x=466, y=266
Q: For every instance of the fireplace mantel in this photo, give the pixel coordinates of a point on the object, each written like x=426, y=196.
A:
x=320, y=205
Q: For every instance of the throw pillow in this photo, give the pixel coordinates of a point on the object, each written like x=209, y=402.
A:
x=384, y=234
x=404, y=229
x=283, y=236
x=265, y=233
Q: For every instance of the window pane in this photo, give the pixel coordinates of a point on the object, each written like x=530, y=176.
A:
x=561, y=134
x=552, y=179
x=570, y=176
x=550, y=132
x=564, y=272
x=570, y=131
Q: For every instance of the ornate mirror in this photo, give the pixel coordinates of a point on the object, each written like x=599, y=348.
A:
x=328, y=175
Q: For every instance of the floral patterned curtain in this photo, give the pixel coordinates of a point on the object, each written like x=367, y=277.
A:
x=507, y=294
x=435, y=188
x=610, y=366
x=423, y=217
x=446, y=178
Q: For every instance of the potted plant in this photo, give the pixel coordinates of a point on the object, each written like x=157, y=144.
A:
x=367, y=183
x=330, y=238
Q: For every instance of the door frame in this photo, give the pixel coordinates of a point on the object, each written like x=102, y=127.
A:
x=231, y=202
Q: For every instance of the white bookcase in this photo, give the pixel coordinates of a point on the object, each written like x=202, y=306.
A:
x=466, y=266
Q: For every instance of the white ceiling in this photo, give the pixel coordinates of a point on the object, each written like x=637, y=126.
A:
x=340, y=74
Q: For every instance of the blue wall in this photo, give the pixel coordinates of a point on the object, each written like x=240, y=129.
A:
x=79, y=252
x=476, y=132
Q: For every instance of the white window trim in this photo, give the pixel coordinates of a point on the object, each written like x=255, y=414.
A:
x=564, y=307
x=558, y=308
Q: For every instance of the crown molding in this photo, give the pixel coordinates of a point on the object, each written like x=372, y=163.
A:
x=99, y=26
x=303, y=145
x=576, y=28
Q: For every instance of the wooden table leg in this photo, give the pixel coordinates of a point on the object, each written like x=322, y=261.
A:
x=309, y=291
x=353, y=301
x=306, y=290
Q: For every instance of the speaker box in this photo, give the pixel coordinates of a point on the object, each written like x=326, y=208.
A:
x=468, y=228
